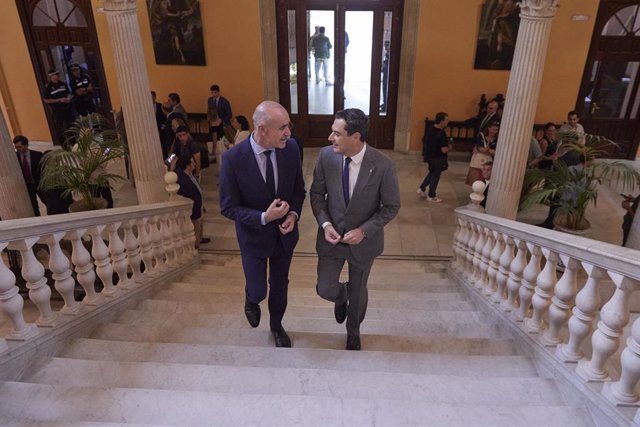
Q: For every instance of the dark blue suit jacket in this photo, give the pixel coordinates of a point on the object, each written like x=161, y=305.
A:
x=223, y=108
x=244, y=196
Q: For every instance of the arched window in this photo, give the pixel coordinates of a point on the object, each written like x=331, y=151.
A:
x=625, y=22
x=50, y=13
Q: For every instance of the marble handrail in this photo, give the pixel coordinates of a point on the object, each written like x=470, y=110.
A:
x=515, y=266
x=148, y=240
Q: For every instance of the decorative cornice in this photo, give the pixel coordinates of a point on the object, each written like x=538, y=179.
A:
x=119, y=5
x=537, y=9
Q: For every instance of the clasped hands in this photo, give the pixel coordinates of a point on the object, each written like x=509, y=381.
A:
x=278, y=209
x=351, y=237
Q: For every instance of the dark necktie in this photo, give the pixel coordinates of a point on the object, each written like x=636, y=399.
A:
x=270, y=178
x=26, y=170
x=345, y=180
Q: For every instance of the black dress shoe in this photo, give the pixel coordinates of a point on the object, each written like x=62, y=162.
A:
x=281, y=337
x=340, y=311
x=252, y=311
x=353, y=342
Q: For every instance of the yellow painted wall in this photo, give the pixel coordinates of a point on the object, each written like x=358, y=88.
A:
x=232, y=51
x=446, y=81
x=445, y=78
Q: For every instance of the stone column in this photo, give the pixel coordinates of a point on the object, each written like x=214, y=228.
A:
x=135, y=92
x=14, y=197
x=520, y=107
x=633, y=240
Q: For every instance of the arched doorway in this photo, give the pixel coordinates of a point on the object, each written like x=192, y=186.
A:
x=60, y=33
x=609, y=98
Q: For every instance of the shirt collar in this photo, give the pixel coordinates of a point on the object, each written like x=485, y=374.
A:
x=257, y=149
x=357, y=159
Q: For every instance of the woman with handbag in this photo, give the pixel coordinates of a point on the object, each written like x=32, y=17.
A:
x=484, y=148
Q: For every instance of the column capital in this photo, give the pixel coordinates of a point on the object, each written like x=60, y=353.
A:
x=119, y=5
x=538, y=8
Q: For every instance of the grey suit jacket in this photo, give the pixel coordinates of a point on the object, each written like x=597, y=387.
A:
x=375, y=200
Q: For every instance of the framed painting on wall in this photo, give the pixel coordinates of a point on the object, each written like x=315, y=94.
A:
x=176, y=32
x=497, y=34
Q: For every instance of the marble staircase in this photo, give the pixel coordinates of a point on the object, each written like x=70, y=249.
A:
x=186, y=356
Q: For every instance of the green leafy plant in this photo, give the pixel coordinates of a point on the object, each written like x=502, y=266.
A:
x=82, y=170
x=573, y=188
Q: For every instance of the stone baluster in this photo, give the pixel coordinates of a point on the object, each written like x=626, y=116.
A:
x=178, y=247
x=167, y=239
x=605, y=341
x=465, y=235
x=494, y=262
x=81, y=258
x=146, y=247
x=562, y=302
x=104, y=269
x=133, y=250
x=584, y=314
x=33, y=274
x=503, y=270
x=488, y=266
x=478, y=261
x=11, y=304
x=62, y=274
x=190, y=232
x=156, y=239
x=529, y=278
x=118, y=257
x=515, y=276
x=482, y=250
x=454, y=245
x=622, y=392
x=544, y=291
x=471, y=244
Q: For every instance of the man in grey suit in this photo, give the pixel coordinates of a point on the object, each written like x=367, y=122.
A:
x=353, y=196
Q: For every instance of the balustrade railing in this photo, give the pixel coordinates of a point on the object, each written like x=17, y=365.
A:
x=130, y=244
x=549, y=284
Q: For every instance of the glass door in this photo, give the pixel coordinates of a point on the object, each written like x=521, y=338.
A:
x=336, y=56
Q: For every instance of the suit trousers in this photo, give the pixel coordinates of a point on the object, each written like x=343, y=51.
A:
x=329, y=287
x=255, y=273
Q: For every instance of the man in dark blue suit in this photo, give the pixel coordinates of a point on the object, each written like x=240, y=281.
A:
x=262, y=190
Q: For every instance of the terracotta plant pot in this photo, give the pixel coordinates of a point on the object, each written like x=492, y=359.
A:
x=81, y=205
x=585, y=226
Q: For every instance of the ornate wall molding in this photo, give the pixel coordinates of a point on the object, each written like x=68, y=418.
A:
x=538, y=9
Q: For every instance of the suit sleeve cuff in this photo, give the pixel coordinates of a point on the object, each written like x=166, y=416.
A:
x=263, y=218
x=326, y=224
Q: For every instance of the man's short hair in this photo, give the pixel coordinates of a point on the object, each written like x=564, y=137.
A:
x=549, y=125
x=321, y=29
x=182, y=128
x=356, y=121
x=441, y=117
x=572, y=113
x=20, y=139
x=174, y=97
x=184, y=162
x=214, y=87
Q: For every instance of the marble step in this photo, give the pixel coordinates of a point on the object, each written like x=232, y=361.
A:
x=305, y=289
x=319, y=310
x=394, y=299
x=441, y=389
x=304, y=358
x=250, y=337
x=428, y=328
x=436, y=285
x=68, y=404
x=325, y=311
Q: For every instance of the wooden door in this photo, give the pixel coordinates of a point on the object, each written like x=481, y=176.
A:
x=362, y=71
x=59, y=33
x=609, y=98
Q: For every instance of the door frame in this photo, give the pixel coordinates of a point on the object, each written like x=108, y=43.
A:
x=88, y=39
x=626, y=48
x=406, y=74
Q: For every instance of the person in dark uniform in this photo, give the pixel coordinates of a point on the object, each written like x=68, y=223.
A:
x=58, y=96
x=83, y=90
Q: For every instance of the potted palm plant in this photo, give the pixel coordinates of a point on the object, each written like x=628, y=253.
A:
x=571, y=189
x=81, y=171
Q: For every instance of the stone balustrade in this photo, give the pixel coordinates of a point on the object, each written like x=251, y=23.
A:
x=136, y=243
x=550, y=286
